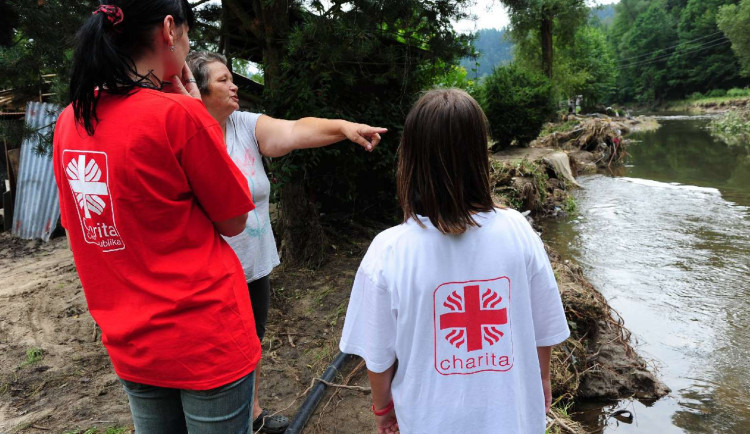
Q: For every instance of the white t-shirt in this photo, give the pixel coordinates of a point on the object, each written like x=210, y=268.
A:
x=255, y=246
x=463, y=314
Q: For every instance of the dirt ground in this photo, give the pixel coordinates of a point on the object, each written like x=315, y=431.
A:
x=55, y=375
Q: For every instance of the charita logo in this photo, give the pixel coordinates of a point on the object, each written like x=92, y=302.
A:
x=472, y=327
x=87, y=174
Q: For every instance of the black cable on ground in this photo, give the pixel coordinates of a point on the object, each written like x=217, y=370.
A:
x=313, y=398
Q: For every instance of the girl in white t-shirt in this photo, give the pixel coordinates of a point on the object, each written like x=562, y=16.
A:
x=456, y=309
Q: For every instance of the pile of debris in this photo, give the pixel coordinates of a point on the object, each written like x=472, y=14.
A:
x=596, y=141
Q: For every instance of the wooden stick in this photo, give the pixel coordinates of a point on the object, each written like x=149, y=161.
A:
x=344, y=386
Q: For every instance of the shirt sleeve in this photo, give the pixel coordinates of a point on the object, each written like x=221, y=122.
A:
x=218, y=185
x=248, y=121
x=550, y=325
x=370, y=324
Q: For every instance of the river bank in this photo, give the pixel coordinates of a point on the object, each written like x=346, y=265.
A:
x=598, y=362
x=708, y=105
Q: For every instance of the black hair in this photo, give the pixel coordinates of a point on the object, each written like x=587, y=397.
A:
x=105, y=48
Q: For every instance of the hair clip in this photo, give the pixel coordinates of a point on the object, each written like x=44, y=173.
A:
x=114, y=13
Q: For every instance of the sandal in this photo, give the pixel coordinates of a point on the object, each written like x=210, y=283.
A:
x=266, y=423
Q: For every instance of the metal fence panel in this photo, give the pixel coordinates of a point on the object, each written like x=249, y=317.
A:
x=37, y=208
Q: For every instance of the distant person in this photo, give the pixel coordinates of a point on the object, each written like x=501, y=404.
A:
x=146, y=191
x=455, y=310
x=249, y=137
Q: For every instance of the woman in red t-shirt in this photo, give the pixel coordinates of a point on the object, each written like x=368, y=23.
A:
x=146, y=191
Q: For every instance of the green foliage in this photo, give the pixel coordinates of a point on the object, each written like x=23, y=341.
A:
x=703, y=58
x=733, y=128
x=517, y=103
x=455, y=76
x=36, y=51
x=670, y=49
x=734, y=21
x=366, y=63
x=738, y=93
x=643, y=72
x=33, y=355
x=569, y=205
x=543, y=21
x=502, y=174
x=585, y=66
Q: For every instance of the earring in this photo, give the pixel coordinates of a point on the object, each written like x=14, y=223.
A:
x=171, y=48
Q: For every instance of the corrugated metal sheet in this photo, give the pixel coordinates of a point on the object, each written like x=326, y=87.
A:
x=37, y=208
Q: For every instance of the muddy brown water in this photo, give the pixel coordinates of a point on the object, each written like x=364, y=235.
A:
x=667, y=241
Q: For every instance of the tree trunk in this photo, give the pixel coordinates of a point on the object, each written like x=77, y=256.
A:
x=302, y=238
x=547, y=53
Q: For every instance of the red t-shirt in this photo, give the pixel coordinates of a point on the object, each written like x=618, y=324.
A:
x=138, y=199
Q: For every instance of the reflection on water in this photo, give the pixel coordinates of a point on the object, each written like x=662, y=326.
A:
x=668, y=243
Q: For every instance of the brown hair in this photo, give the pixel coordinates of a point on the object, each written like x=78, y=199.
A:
x=443, y=167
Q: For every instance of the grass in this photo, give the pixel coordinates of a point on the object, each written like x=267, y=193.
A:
x=733, y=128
x=502, y=175
x=33, y=355
x=570, y=206
x=712, y=98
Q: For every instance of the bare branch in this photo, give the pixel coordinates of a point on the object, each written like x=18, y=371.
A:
x=198, y=3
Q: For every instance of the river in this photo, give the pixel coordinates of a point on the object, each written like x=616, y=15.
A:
x=667, y=241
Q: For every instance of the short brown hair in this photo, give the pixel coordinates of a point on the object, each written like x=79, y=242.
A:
x=443, y=167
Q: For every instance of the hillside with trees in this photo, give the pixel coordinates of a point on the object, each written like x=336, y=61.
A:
x=493, y=47
x=671, y=49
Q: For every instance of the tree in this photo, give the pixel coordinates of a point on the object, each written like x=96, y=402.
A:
x=734, y=21
x=643, y=63
x=703, y=59
x=357, y=60
x=546, y=19
x=587, y=67
x=517, y=103
x=36, y=60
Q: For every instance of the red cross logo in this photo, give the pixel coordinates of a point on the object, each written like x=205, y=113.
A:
x=476, y=319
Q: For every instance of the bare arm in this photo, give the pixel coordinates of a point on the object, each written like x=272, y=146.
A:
x=231, y=227
x=381, y=398
x=277, y=137
x=545, y=354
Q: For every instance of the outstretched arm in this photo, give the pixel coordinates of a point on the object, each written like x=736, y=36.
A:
x=545, y=353
x=382, y=399
x=277, y=137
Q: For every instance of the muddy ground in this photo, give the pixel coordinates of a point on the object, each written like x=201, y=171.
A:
x=69, y=385
x=55, y=375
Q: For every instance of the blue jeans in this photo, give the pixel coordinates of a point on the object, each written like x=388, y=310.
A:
x=160, y=410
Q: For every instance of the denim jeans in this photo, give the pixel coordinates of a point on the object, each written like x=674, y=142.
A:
x=160, y=410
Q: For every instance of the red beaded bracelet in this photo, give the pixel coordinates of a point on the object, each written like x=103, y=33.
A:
x=384, y=411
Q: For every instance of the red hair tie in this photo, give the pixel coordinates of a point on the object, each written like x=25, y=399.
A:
x=114, y=13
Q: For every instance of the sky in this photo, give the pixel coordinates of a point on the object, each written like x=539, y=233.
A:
x=491, y=14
